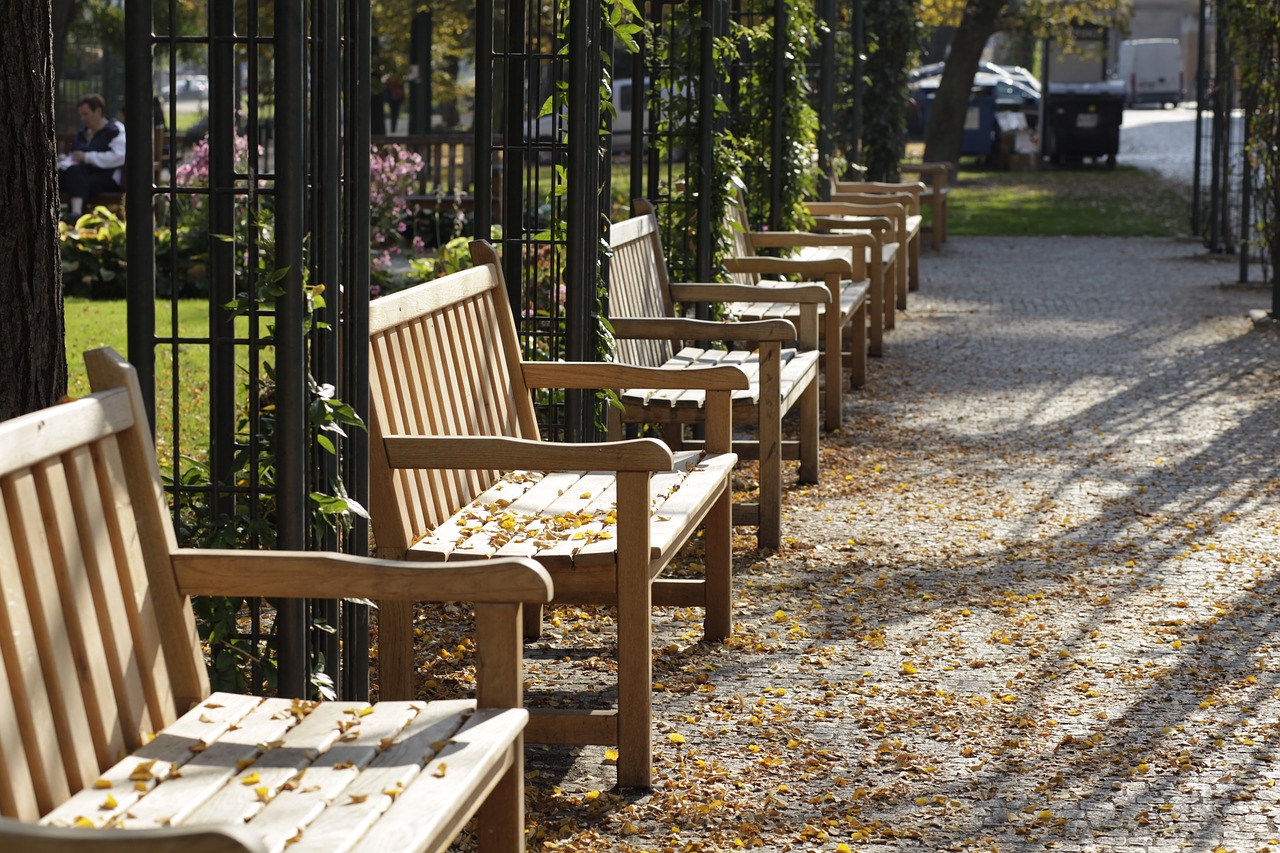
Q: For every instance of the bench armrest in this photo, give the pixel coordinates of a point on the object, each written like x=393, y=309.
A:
x=937, y=171
x=590, y=374
x=317, y=574
x=786, y=239
x=486, y=453
x=807, y=269
x=799, y=293
x=684, y=329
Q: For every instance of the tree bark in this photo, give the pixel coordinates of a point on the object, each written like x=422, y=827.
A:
x=944, y=136
x=32, y=348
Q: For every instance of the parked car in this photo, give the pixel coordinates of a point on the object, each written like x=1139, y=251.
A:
x=996, y=89
x=544, y=128
x=1151, y=70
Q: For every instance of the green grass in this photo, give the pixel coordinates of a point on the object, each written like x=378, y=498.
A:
x=1065, y=201
x=92, y=323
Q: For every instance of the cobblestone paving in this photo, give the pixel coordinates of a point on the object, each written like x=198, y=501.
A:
x=1032, y=604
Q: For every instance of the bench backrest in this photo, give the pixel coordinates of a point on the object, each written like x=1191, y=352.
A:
x=99, y=650
x=639, y=283
x=444, y=360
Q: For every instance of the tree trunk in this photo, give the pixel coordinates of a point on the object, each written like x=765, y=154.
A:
x=31, y=326
x=944, y=136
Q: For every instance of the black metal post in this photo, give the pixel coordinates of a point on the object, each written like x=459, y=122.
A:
x=140, y=252
x=1246, y=194
x=1201, y=76
x=325, y=64
x=639, y=110
x=826, y=92
x=859, y=72
x=484, y=103
x=513, y=163
x=420, y=88
x=291, y=445
x=583, y=202
x=355, y=301
x=224, y=375
x=777, y=140
x=706, y=141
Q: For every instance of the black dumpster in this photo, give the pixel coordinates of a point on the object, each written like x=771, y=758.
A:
x=1084, y=121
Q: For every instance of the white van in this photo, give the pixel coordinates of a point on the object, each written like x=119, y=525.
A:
x=545, y=127
x=1152, y=71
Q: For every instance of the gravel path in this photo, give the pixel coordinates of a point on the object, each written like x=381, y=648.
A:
x=1030, y=606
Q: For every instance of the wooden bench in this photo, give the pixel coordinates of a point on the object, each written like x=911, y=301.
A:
x=458, y=472
x=449, y=177
x=839, y=261
x=853, y=212
x=909, y=221
x=936, y=177
x=642, y=301
x=106, y=720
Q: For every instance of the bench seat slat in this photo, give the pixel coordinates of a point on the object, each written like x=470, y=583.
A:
x=362, y=803
x=175, y=799
x=308, y=794
x=248, y=792
x=170, y=750
x=463, y=771
x=672, y=520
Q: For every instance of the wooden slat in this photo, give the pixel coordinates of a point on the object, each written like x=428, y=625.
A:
x=679, y=516
x=105, y=597
x=49, y=433
x=130, y=574
x=322, y=783
x=210, y=769
x=441, y=799
x=184, y=672
x=373, y=791
x=171, y=749
x=71, y=742
x=63, y=518
x=23, y=794
x=249, y=791
x=572, y=726
x=392, y=310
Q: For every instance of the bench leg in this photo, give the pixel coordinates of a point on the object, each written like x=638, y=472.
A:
x=674, y=435
x=717, y=622
x=635, y=640
x=395, y=650
x=832, y=361
x=876, y=345
x=532, y=620
x=902, y=264
x=858, y=347
x=500, y=819
x=769, y=530
x=890, y=294
x=915, y=263
x=809, y=435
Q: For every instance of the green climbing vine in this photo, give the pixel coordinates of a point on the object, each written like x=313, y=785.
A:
x=894, y=39
x=1253, y=32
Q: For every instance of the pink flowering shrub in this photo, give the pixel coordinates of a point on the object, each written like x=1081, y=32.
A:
x=392, y=172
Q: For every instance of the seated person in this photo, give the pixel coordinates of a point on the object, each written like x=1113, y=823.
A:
x=95, y=163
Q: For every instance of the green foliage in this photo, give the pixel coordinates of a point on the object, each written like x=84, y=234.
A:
x=895, y=41
x=1253, y=32
x=753, y=121
x=94, y=255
